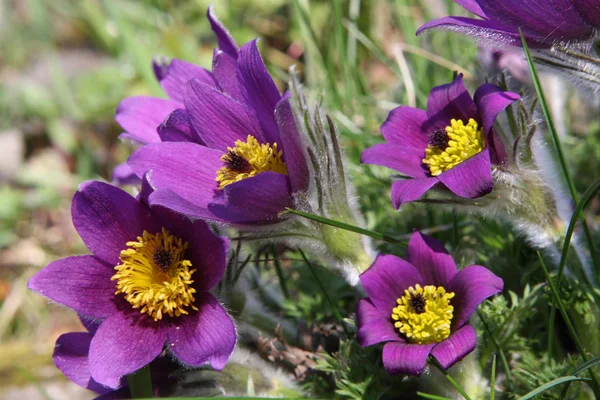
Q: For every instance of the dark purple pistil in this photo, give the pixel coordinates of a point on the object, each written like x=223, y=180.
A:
x=237, y=163
x=438, y=138
x=417, y=302
x=163, y=258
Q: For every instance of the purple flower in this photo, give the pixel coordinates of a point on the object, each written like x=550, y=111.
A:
x=543, y=23
x=148, y=119
x=421, y=306
x=147, y=283
x=249, y=159
x=452, y=144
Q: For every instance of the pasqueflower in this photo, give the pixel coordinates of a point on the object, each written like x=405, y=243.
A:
x=252, y=160
x=147, y=119
x=421, y=306
x=452, y=144
x=562, y=33
x=147, y=283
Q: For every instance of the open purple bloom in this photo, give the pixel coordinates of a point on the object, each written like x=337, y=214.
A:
x=451, y=144
x=147, y=283
x=543, y=23
x=421, y=306
x=147, y=119
x=249, y=160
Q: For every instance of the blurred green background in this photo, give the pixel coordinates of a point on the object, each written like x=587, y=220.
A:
x=66, y=64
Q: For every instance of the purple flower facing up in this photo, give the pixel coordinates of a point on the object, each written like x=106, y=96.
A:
x=147, y=284
x=452, y=144
x=421, y=306
x=564, y=31
x=148, y=119
x=248, y=159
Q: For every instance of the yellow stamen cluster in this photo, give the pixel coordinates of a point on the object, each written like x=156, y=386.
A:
x=155, y=277
x=424, y=314
x=464, y=141
x=248, y=159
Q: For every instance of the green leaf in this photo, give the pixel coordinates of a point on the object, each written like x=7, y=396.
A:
x=587, y=365
x=550, y=385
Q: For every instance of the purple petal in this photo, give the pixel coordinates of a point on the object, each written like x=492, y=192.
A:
x=140, y=117
x=226, y=42
x=491, y=101
x=160, y=66
x=225, y=72
x=408, y=160
x=107, y=218
x=169, y=199
x=205, y=336
x=450, y=101
x=373, y=326
x=256, y=200
x=404, y=127
x=433, y=261
x=258, y=89
x=488, y=31
x=179, y=73
x=123, y=175
x=90, y=324
x=145, y=191
x=556, y=19
x=589, y=10
x=387, y=279
x=71, y=358
x=405, y=358
x=471, y=178
x=178, y=128
x=471, y=6
x=472, y=286
x=189, y=170
x=206, y=251
x=219, y=119
x=407, y=190
x=124, y=343
x=79, y=282
x=456, y=346
x=293, y=146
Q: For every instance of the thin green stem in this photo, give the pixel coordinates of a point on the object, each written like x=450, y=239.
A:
x=345, y=226
x=558, y=146
x=331, y=303
x=500, y=351
x=450, y=378
x=279, y=271
x=493, y=379
x=570, y=327
x=140, y=383
x=431, y=396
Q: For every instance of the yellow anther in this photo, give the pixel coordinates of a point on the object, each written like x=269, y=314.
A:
x=463, y=141
x=155, y=276
x=249, y=159
x=424, y=314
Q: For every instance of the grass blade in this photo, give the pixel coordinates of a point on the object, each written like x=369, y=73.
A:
x=550, y=385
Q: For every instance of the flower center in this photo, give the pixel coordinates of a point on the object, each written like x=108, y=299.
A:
x=423, y=314
x=458, y=143
x=248, y=159
x=155, y=277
